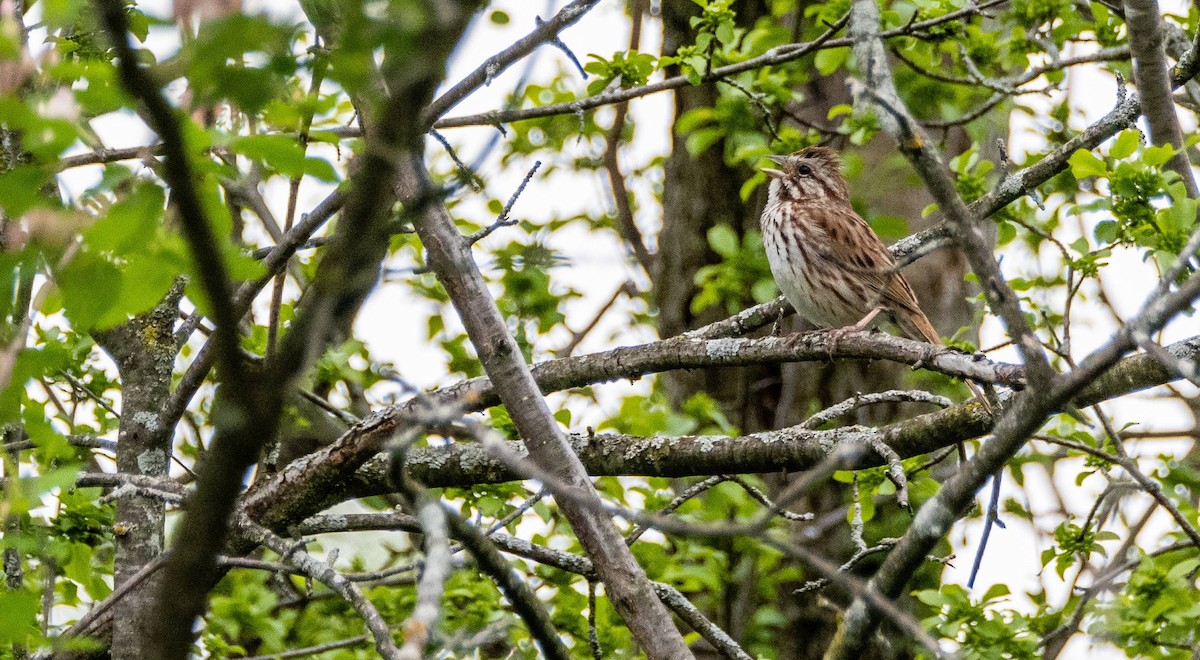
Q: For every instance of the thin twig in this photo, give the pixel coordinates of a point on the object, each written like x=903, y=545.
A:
x=626, y=224
x=993, y=518
x=777, y=55
x=545, y=32
x=324, y=573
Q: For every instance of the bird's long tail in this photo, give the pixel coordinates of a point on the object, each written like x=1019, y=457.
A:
x=917, y=326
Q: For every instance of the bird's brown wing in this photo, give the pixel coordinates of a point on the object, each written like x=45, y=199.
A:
x=853, y=246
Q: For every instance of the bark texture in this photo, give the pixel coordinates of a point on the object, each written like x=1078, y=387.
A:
x=144, y=349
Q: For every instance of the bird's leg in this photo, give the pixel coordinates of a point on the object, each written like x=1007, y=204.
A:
x=837, y=334
x=926, y=355
x=929, y=352
x=777, y=328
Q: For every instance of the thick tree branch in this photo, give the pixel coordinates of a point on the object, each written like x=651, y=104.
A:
x=1150, y=74
x=794, y=449
x=144, y=351
x=450, y=256
x=294, y=493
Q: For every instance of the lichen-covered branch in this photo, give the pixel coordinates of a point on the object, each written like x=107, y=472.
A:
x=626, y=583
x=291, y=495
x=793, y=449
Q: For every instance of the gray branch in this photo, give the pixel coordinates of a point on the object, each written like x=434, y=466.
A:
x=564, y=561
x=792, y=449
x=324, y=573
x=546, y=32
x=626, y=583
x=1144, y=21
x=302, y=487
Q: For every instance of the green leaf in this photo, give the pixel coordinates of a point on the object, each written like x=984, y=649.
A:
x=597, y=86
x=218, y=68
x=830, y=59
x=1006, y=232
x=931, y=597
x=129, y=224
x=1179, y=216
x=723, y=240
x=695, y=118
x=750, y=185
x=85, y=284
x=1085, y=163
x=1106, y=231
x=764, y=291
x=996, y=591
x=702, y=139
x=21, y=188
x=1126, y=143
x=725, y=33
x=20, y=611
x=1156, y=156
x=321, y=169
x=279, y=152
x=145, y=278
x=839, y=110
x=868, y=509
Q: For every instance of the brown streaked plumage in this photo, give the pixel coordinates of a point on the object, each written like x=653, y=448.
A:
x=827, y=260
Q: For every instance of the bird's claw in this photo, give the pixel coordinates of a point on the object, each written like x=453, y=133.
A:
x=836, y=335
x=927, y=355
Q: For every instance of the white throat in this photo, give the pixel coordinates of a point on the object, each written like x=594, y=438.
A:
x=774, y=191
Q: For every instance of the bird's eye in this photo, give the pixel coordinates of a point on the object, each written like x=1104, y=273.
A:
x=804, y=170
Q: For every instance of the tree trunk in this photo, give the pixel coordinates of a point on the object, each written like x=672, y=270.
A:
x=144, y=349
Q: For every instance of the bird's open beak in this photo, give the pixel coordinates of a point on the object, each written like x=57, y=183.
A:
x=772, y=172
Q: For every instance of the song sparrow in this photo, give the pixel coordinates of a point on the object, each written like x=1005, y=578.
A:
x=826, y=259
